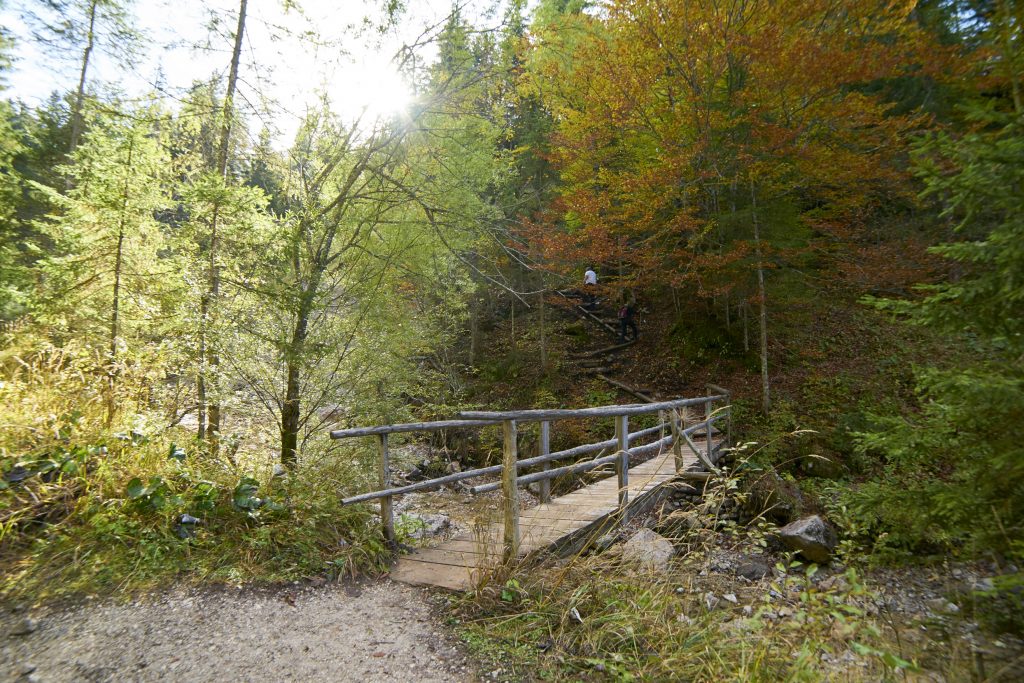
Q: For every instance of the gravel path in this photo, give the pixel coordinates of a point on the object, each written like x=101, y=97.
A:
x=378, y=631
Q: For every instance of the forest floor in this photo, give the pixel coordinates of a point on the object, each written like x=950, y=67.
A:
x=379, y=631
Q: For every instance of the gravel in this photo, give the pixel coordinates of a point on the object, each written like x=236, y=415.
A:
x=377, y=631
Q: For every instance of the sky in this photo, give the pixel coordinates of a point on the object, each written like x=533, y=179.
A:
x=290, y=56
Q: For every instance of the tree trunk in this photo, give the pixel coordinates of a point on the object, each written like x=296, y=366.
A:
x=543, y=338
x=209, y=304
x=474, y=327
x=77, y=119
x=746, y=334
x=762, y=304
x=290, y=410
x=116, y=303
x=1008, y=56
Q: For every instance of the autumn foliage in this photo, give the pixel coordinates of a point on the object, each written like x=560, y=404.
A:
x=675, y=118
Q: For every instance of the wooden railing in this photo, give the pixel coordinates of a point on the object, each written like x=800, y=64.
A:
x=509, y=469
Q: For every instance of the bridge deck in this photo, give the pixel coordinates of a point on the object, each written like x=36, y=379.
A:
x=457, y=563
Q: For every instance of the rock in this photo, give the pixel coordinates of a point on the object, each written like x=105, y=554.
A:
x=822, y=466
x=748, y=610
x=753, y=570
x=26, y=668
x=427, y=525
x=984, y=584
x=711, y=601
x=604, y=542
x=812, y=537
x=769, y=494
x=942, y=606
x=534, y=488
x=454, y=466
x=679, y=523
x=24, y=627
x=834, y=583
x=279, y=470
x=648, y=550
x=731, y=597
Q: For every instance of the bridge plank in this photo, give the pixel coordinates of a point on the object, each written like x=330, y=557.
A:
x=559, y=526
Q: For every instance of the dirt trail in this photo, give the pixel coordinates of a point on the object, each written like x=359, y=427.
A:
x=374, y=631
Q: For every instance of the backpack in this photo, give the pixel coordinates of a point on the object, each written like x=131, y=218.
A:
x=623, y=312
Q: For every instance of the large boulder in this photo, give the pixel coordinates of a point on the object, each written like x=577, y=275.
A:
x=648, y=550
x=812, y=537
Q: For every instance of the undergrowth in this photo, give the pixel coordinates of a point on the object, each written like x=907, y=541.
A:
x=595, y=619
x=87, y=508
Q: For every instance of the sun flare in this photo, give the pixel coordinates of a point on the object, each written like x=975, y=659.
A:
x=379, y=90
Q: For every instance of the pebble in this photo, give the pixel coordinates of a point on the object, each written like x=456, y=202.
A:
x=24, y=627
x=731, y=597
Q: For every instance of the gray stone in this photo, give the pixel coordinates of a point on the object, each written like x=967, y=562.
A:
x=604, y=542
x=427, y=525
x=812, y=537
x=648, y=550
x=834, y=583
x=24, y=627
x=753, y=570
x=942, y=606
x=711, y=601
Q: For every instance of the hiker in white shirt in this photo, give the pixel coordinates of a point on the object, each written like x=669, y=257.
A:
x=589, y=285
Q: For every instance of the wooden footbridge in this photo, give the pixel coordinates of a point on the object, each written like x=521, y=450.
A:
x=644, y=462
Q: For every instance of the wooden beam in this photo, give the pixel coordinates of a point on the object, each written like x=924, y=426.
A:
x=510, y=490
x=597, y=320
x=677, y=439
x=575, y=468
x=387, y=515
x=571, y=413
x=622, y=466
x=607, y=349
x=545, y=447
x=628, y=389
x=412, y=427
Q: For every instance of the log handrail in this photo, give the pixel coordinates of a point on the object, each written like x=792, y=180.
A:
x=538, y=414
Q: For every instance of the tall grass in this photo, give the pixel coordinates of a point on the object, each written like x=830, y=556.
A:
x=91, y=508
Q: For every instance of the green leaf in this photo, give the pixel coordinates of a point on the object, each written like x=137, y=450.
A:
x=135, y=489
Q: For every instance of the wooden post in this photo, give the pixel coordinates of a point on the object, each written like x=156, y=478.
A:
x=545, y=448
x=677, y=441
x=387, y=514
x=708, y=409
x=510, y=491
x=622, y=464
x=728, y=419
